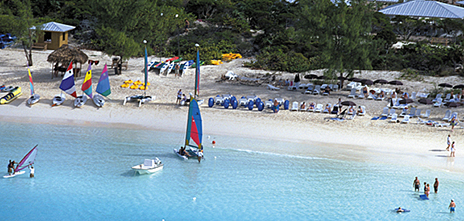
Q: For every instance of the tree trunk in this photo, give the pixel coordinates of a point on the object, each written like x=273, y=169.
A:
x=28, y=55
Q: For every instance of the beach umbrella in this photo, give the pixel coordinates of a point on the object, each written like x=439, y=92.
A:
x=406, y=101
x=425, y=101
x=310, y=76
x=348, y=103
x=451, y=104
x=445, y=85
x=380, y=81
x=459, y=86
x=367, y=82
x=354, y=79
x=395, y=82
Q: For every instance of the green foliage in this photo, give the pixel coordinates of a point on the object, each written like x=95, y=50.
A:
x=411, y=74
x=277, y=60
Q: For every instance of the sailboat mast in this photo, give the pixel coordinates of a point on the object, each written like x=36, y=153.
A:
x=189, y=123
x=146, y=68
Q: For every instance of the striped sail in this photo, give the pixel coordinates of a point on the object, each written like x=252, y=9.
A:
x=67, y=84
x=194, y=125
x=30, y=80
x=87, y=85
x=27, y=160
x=103, y=86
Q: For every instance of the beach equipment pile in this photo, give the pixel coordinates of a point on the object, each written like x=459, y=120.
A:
x=231, y=56
x=135, y=84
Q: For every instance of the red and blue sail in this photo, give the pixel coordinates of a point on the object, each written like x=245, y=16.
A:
x=194, y=125
x=87, y=85
x=67, y=84
x=103, y=86
x=27, y=160
x=30, y=80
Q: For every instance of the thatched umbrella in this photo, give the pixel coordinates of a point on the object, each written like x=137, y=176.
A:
x=64, y=55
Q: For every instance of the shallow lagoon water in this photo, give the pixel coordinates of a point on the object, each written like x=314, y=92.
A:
x=83, y=173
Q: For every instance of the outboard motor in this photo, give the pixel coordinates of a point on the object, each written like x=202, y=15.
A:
x=210, y=102
x=286, y=103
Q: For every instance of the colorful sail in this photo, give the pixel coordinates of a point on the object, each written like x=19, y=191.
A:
x=30, y=80
x=146, y=69
x=197, y=74
x=67, y=84
x=194, y=125
x=27, y=160
x=87, y=85
x=103, y=86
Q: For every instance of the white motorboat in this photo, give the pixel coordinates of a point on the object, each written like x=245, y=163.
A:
x=148, y=166
x=80, y=101
x=58, y=100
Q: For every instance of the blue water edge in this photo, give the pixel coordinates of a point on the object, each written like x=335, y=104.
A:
x=84, y=173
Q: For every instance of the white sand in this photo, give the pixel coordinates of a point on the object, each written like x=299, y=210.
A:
x=361, y=139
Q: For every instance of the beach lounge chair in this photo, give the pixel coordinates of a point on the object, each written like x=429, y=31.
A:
x=413, y=95
x=447, y=98
x=361, y=95
x=335, y=87
x=371, y=96
x=272, y=88
x=351, y=85
x=231, y=75
x=412, y=112
x=318, y=108
x=384, y=112
x=363, y=111
x=294, y=106
x=397, y=104
x=394, y=118
x=436, y=98
x=404, y=112
x=392, y=112
x=438, y=103
x=317, y=90
x=426, y=115
x=323, y=86
x=311, y=107
x=352, y=116
x=455, y=115
x=417, y=114
x=423, y=95
x=218, y=100
x=243, y=101
x=447, y=115
x=324, y=93
x=405, y=120
x=268, y=103
x=310, y=89
x=280, y=100
x=335, y=109
x=352, y=93
x=327, y=108
x=303, y=106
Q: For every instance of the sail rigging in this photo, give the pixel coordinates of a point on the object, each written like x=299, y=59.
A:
x=103, y=86
x=27, y=160
x=194, y=125
x=67, y=84
x=87, y=85
x=30, y=80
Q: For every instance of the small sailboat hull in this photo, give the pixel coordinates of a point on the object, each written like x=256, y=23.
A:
x=98, y=100
x=58, y=100
x=34, y=99
x=179, y=155
x=7, y=89
x=80, y=101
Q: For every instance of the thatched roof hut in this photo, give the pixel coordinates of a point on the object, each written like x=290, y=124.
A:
x=61, y=57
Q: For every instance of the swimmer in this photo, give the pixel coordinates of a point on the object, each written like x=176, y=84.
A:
x=452, y=206
x=399, y=210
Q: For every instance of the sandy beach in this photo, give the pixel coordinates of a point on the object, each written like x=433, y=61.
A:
x=360, y=139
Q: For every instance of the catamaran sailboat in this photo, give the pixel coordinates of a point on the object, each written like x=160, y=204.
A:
x=103, y=88
x=86, y=88
x=67, y=85
x=194, y=131
x=25, y=162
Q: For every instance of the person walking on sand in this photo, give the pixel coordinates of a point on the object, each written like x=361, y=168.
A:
x=448, y=141
x=435, y=185
x=416, y=184
x=179, y=96
x=452, y=206
x=177, y=67
x=453, y=149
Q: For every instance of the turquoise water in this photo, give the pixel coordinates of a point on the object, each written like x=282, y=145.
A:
x=83, y=173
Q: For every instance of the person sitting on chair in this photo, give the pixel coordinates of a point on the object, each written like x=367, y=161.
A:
x=311, y=106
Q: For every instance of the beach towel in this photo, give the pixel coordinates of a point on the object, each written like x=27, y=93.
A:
x=336, y=119
x=375, y=118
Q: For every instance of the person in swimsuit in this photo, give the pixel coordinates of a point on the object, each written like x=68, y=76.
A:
x=427, y=190
x=10, y=168
x=452, y=150
x=425, y=187
x=179, y=96
x=435, y=185
x=276, y=106
x=448, y=141
x=453, y=123
x=416, y=184
x=399, y=210
x=452, y=206
x=31, y=174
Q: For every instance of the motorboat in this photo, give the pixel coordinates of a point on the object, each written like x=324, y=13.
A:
x=148, y=166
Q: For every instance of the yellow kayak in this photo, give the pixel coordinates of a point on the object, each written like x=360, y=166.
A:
x=15, y=93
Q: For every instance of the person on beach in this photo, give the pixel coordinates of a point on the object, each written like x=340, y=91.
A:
x=435, y=185
x=184, y=100
x=448, y=141
x=453, y=122
x=303, y=106
x=453, y=149
x=177, y=68
x=339, y=102
x=276, y=106
x=179, y=96
x=416, y=184
x=31, y=174
x=452, y=206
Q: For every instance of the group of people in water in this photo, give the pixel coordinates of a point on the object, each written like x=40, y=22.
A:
x=12, y=169
x=416, y=184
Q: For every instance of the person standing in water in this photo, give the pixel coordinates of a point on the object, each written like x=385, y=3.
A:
x=31, y=168
x=416, y=184
x=435, y=185
x=10, y=168
x=452, y=206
